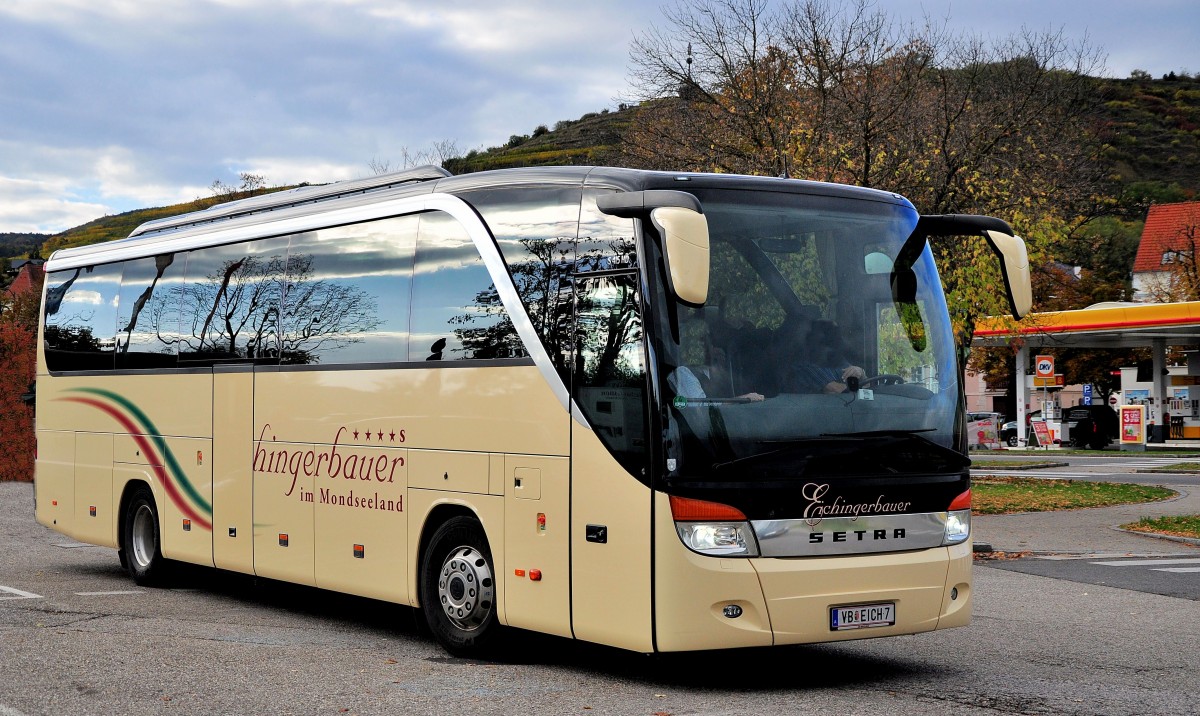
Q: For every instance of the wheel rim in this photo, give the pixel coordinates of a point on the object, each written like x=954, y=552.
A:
x=144, y=536
x=466, y=588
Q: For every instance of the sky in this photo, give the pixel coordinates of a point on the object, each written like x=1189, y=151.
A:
x=112, y=105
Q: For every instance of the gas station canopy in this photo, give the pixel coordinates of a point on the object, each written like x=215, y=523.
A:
x=1105, y=325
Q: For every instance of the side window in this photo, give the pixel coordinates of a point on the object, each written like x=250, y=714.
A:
x=347, y=296
x=610, y=381
x=148, y=312
x=456, y=311
x=81, y=318
x=230, y=303
x=605, y=242
x=535, y=227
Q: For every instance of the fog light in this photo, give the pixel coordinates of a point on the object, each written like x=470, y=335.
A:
x=732, y=611
x=953, y=593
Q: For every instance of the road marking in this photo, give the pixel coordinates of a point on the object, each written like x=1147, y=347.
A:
x=1042, y=474
x=1146, y=562
x=102, y=594
x=18, y=594
x=1179, y=570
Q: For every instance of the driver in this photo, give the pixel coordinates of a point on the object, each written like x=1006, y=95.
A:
x=824, y=368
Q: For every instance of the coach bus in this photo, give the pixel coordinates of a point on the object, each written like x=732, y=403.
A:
x=570, y=400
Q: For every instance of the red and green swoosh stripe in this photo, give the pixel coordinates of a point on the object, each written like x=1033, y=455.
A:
x=150, y=441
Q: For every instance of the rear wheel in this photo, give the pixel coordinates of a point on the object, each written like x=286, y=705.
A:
x=458, y=587
x=140, y=544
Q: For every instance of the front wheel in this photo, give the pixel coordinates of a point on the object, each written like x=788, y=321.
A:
x=141, y=547
x=458, y=587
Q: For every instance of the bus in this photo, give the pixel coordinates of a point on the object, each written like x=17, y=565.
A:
x=571, y=400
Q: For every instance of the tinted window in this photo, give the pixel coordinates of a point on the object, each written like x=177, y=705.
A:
x=610, y=382
x=535, y=228
x=81, y=318
x=348, y=293
x=605, y=242
x=230, y=302
x=456, y=311
x=148, y=312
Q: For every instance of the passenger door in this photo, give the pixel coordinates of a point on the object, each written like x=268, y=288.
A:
x=610, y=505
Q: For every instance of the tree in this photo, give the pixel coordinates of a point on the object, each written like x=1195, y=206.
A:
x=438, y=154
x=956, y=124
x=18, y=338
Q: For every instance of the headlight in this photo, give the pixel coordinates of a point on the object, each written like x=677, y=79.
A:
x=958, y=527
x=720, y=539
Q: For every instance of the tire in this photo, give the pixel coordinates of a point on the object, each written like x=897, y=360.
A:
x=141, y=543
x=458, y=588
x=1012, y=440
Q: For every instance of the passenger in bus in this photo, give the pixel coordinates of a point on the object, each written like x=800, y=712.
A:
x=825, y=368
x=711, y=380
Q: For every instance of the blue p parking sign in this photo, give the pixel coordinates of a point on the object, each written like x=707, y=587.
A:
x=1087, y=393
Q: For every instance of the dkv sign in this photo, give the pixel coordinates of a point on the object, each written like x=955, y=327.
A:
x=1044, y=366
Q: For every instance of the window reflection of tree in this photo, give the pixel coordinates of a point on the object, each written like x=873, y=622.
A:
x=609, y=332
x=544, y=282
x=61, y=335
x=70, y=335
x=321, y=314
x=72, y=339
x=234, y=312
x=161, y=264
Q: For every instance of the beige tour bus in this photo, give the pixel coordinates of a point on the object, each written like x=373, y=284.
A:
x=658, y=411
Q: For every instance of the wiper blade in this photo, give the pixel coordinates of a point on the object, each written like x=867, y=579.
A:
x=786, y=446
x=868, y=434
x=880, y=433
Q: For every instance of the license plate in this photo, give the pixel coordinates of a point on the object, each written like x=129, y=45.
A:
x=862, y=616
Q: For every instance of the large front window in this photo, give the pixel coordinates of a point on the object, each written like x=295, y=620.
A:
x=804, y=361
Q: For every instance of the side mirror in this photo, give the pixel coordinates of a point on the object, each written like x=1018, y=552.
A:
x=685, y=245
x=679, y=219
x=1008, y=247
x=1014, y=264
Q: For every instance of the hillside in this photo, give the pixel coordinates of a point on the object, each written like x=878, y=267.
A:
x=17, y=245
x=1152, y=132
x=1151, y=129
x=118, y=226
x=593, y=139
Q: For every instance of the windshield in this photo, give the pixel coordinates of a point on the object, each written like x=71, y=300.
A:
x=801, y=360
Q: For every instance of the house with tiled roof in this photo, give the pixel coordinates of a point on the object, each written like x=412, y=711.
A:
x=28, y=278
x=1171, y=234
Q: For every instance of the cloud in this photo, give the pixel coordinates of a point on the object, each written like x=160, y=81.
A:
x=110, y=105
x=42, y=207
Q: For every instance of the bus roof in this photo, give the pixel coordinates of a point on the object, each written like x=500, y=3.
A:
x=145, y=240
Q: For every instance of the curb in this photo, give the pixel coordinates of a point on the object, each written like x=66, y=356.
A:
x=1170, y=538
x=1029, y=466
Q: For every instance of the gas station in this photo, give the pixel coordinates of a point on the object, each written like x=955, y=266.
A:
x=1156, y=326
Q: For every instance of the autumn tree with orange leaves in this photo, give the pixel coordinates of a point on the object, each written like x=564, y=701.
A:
x=18, y=335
